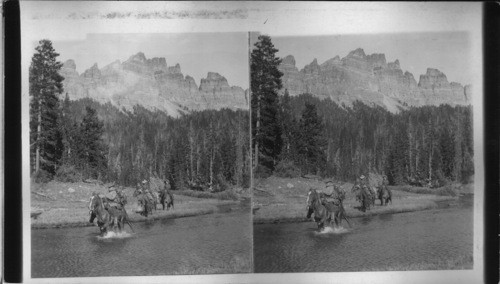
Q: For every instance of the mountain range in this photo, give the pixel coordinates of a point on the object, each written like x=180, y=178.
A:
x=372, y=80
x=152, y=84
x=367, y=78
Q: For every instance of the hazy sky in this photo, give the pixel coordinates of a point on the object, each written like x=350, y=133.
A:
x=197, y=53
x=449, y=52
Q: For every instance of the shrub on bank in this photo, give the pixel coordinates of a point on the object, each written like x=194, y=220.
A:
x=68, y=173
x=287, y=169
x=42, y=176
x=262, y=172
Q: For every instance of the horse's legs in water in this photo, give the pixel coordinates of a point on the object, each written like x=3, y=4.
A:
x=115, y=225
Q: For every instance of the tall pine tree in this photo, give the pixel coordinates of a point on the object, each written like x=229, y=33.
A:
x=311, y=142
x=45, y=86
x=93, y=150
x=265, y=82
x=287, y=126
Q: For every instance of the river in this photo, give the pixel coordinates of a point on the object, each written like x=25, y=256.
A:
x=373, y=243
x=161, y=247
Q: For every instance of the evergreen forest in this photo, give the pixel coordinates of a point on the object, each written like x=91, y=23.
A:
x=420, y=146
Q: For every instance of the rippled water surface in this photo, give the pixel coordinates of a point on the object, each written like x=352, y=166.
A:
x=372, y=242
x=157, y=248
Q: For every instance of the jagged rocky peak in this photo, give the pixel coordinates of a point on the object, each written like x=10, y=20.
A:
x=409, y=77
x=313, y=67
x=139, y=57
x=175, y=69
x=288, y=60
x=191, y=82
x=215, y=76
x=332, y=61
x=433, y=78
x=376, y=59
x=93, y=72
x=158, y=61
x=357, y=53
x=394, y=65
x=70, y=64
x=213, y=81
x=190, y=79
x=155, y=62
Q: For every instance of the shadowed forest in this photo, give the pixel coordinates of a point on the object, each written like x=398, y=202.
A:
x=416, y=146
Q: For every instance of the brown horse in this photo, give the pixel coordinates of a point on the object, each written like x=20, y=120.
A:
x=365, y=196
x=321, y=215
x=111, y=216
x=338, y=212
x=384, y=194
x=166, y=198
x=104, y=218
x=144, y=202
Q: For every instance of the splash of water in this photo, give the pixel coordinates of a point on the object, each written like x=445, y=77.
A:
x=330, y=230
x=113, y=235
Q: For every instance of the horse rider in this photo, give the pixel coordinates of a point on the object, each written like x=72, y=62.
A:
x=92, y=213
x=147, y=191
x=332, y=193
x=366, y=190
x=384, y=183
x=365, y=185
x=120, y=198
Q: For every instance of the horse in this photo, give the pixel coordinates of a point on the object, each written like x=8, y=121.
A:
x=111, y=216
x=385, y=195
x=104, y=217
x=364, y=196
x=156, y=199
x=321, y=214
x=166, y=198
x=143, y=201
x=336, y=207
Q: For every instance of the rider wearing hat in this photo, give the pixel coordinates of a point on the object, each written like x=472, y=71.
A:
x=120, y=198
x=145, y=187
x=332, y=193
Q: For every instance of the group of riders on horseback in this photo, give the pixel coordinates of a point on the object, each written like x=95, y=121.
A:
x=110, y=211
x=328, y=206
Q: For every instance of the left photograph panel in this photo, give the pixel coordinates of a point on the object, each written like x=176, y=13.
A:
x=138, y=154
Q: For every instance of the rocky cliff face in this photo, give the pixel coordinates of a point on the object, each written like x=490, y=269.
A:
x=152, y=84
x=372, y=80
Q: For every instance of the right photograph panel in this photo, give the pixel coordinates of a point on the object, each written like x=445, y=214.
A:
x=363, y=152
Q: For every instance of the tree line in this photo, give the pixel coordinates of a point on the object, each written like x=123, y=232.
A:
x=56, y=139
x=306, y=135
x=85, y=139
